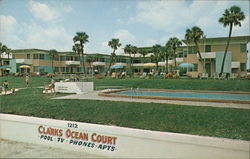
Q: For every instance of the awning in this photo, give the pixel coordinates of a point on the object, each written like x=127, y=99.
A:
x=186, y=65
x=149, y=65
x=118, y=66
x=25, y=66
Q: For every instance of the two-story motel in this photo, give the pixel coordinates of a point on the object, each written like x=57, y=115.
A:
x=212, y=50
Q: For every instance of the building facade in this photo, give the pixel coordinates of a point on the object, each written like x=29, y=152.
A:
x=212, y=50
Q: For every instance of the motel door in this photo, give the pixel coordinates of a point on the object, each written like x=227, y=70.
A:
x=208, y=69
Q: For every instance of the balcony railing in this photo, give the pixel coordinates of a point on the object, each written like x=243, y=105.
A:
x=207, y=55
x=24, y=61
x=235, y=64
x=72, y=62
x=98, y=63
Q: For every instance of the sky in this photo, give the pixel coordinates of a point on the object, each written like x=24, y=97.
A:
x=52, y=24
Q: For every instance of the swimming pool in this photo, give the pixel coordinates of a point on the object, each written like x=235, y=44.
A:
x=207, y=96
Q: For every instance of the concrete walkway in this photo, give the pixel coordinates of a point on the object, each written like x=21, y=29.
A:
x=94, y=96
x=12, y=149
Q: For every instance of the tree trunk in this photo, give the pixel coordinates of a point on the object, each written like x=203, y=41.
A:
x=166, y=65
x=225, y=54
x=52, y=64
x=82, y=54
x=199, y=53
x=175, y=61
x=111, y=61
x=130, y=66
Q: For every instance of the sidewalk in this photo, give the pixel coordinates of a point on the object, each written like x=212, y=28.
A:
x=94, y=96
x=12, y=149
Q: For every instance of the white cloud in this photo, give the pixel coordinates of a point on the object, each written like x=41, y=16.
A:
x=42, y=11
x=47, y=13
x=173, y=16
x=125, y=36
x=7, y=24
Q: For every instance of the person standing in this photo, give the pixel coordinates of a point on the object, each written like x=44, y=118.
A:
x=52, y=85
x=27, y=78
x=5, y=86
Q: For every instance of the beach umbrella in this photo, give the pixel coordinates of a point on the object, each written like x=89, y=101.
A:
x=149, y=65
x=117, y=66
x=24, y=66
x=186, y=65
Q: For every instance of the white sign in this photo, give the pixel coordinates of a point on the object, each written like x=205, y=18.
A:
x=118, y=142
x=74, y=87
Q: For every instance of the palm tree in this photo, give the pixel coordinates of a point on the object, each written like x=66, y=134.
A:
x=53, y=54
x=157, y=54
x=128, y=50
x=167, y=53
x=114, y=44
x=8, y=51
x=195, y=35
x=231, y=17
x=134, y=51
x=90, y=59
x=81, y=38
x=143, y=53
x=174, y=43
x=3, y=49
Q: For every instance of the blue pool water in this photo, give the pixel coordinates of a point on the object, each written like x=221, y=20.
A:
x=243, y=97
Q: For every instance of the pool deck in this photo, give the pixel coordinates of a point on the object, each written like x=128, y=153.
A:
x=94, y=96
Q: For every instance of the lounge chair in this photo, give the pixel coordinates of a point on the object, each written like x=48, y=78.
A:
x=233, y=76
x=204, y=76
x=216, y=76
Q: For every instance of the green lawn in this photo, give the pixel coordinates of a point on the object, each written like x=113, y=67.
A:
x=207, y=121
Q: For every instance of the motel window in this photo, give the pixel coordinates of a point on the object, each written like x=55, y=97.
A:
x=77, y=58
x=35, y=69
x=192, y=50
x=67, y=69
x=62, y=58
x=35, y=56
x=243, y=67
x=41, y=56
x=28, y=56
x=78, y=69
x=195, y=69
x=56, y=69
x=184, y=53
x=63, y=69
x=208, y=48
x=101, y=59
x=243, y=47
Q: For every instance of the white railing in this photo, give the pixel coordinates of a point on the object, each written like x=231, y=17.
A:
x=72, y=63
x=208, y=55
x=235, y=64
x=24, y=61
x=98, y=63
